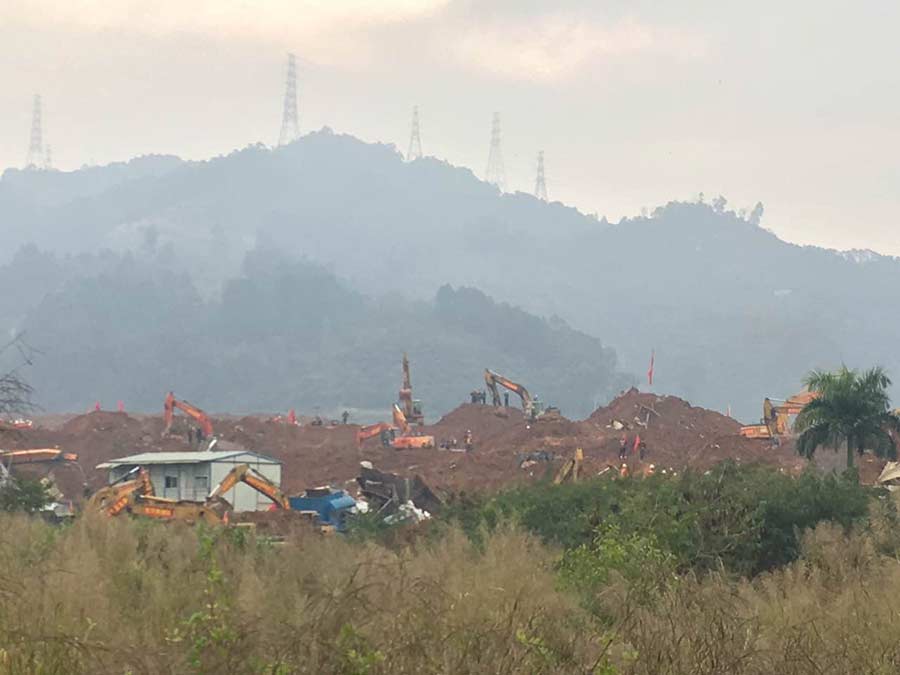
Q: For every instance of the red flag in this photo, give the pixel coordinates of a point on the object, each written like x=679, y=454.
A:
x=97, y=406
x=121, y=406
x=650, y=369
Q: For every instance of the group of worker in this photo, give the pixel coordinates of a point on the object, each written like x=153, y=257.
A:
x=195, y=436
x=479, y=396
x=452, y=444
x=638, y=447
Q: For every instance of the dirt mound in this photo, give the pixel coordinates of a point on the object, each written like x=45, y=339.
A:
x=677, y=435
x=100, y=421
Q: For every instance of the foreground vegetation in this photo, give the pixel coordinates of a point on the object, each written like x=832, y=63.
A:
x=737, y=571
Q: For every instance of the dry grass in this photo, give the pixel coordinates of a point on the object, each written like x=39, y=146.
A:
x=835, y=611
x=119, y=596
x=131, y=597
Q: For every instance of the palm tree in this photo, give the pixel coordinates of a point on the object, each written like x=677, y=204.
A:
x=851, y=409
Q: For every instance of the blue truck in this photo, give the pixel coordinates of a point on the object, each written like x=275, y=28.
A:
x=332, y=507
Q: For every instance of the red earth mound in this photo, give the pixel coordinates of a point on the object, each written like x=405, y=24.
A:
x=677, y=436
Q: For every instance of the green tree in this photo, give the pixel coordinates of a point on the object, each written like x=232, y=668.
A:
x=851, y=410
x=23, y=494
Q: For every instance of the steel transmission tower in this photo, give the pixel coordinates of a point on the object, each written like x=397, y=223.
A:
x=48, y=157
x=290, y=124
x=415, y=142
x=36, y=145
x=495, y=173
x=540, y=183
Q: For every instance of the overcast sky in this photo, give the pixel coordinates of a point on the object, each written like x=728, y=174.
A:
x=635, y=103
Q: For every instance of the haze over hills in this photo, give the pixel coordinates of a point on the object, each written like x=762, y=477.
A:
x=733, y=312
x=285, y=334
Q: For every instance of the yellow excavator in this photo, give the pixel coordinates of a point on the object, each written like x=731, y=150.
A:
x=531, y=406
x=136, y=496
x=116, y=498
x=244, y=473
x=412, y=408
x=571, y=469
x=776, y=419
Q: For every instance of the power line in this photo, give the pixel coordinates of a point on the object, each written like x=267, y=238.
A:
x=290, y=124
x=540, y=183
x=495, y=172
x=36, y=144
x=415, y=141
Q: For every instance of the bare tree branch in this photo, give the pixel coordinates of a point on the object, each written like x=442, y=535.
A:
x=15, y=392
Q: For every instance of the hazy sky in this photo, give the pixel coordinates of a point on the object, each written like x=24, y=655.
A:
x=796, y=104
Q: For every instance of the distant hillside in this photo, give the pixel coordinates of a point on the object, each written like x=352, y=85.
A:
x=290, y=334
x=733, y=312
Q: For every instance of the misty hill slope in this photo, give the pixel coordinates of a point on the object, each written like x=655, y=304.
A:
x=734, y=313
x=290, y=334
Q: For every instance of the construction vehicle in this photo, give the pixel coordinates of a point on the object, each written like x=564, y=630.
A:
x=531, y=406
x=117, y=497
x=133, y=494
x=373, y=430
x=244, y=473
x=571, y=469
x=411, y=407
x=777, y=414
x=33, y=456
x=189, y=409
x=406, y=439
x=332, y=508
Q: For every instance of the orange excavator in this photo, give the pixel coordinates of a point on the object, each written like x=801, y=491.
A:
x=412, y=408
x=776, y=419
x=371, y=431
x=531, y=406
x=189, y=409
x=407, y=438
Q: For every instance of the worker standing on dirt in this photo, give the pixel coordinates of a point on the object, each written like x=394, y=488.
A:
x=468, y=440
x=623, y=447
x=637, y=445
x=642, y=451
x=345, y=416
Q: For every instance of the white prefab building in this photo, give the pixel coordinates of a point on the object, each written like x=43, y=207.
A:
x=193, y=475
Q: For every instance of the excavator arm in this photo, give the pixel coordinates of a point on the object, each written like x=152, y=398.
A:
x=400, y=421
x=371, y=431
x=244, y=473
x=189, y=409
x=37, y=455
x=492, y=379
x=116, y=498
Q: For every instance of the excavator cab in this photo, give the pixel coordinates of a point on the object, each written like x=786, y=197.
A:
x=417, y=409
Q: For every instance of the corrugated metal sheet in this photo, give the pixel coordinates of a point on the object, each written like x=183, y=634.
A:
x=147, y=458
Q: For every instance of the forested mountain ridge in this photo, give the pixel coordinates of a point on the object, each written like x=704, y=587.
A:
x=733, y=312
